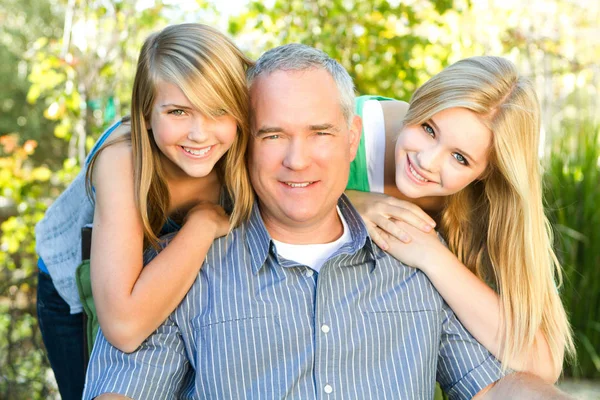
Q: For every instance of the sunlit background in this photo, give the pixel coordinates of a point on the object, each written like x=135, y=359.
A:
x=66, y=74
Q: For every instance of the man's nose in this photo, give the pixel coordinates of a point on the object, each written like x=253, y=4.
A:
x=297, y=156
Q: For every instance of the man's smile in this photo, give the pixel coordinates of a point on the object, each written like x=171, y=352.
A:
x=299, y=184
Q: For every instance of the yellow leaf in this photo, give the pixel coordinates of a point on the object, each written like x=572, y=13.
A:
x=41, y=174
x=55, y=111
x=61, y=131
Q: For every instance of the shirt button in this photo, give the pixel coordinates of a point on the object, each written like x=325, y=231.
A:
x=325, y=329
x=309, y=273
x=328, y=389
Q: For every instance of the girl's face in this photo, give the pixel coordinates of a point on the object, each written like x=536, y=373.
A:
x=443, y=155
x=191, y=140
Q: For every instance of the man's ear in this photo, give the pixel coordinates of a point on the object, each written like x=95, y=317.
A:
x=355, y=132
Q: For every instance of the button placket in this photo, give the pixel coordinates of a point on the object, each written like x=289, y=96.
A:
x=324, y=338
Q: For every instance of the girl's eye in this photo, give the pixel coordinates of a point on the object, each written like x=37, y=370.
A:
x=218, y=113
x=428, y=129
x=177, y=112
x=271, y=137
x=460, y=158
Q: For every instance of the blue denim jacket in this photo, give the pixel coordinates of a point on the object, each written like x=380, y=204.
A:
x=58, y=234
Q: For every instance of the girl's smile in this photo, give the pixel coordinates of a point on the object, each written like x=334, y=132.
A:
x=197, y=153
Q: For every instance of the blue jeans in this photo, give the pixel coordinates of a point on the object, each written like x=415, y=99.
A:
x=63, y=335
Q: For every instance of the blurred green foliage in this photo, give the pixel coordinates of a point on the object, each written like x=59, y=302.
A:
x=24, y=365
x=377, y=41
x=59, y=92
x=573, y=195
x=22, y=23
x=68, y=69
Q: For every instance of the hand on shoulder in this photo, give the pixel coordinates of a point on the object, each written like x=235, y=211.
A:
x=424, y=251
x=380, y=212
x=209, y=214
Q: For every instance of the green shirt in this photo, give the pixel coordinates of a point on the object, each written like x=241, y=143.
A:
x=359, y=177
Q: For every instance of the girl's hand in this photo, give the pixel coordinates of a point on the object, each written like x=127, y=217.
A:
x=210, y=215
x=380, y=212
x=425, y=251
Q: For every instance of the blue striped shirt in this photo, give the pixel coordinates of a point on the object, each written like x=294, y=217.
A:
x=257, y=326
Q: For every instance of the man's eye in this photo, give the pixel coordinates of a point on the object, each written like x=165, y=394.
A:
x=272, y=137
x=177, y=112
x=428, y=129
x=460, y=158
x=323, y=134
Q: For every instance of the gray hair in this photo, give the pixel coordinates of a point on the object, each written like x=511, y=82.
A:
x=300, y=57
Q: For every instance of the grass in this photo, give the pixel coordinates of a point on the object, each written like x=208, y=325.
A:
x=572, y=182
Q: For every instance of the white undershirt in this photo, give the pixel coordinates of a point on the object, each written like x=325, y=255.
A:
x=313, y=255
x=374, y=132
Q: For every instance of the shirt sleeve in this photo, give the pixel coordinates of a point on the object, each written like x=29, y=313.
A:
x=465, y=367
x=374, y=133
x=159, y=369
x=367, y=168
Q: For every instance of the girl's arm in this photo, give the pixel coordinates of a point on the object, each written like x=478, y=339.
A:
x=132, y=301
x=475, y=304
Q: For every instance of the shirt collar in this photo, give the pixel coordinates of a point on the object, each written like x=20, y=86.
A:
x=360, y=237
x=259, y=241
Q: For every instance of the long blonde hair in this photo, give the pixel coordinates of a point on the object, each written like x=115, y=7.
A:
x=496, y=226
x=211, y=71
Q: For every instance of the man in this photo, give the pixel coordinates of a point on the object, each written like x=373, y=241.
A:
x=298, y=302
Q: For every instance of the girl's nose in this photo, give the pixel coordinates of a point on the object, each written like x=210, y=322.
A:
x=429, y=159
x=198, y=128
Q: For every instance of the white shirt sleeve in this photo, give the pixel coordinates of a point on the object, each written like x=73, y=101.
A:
x=374, y=131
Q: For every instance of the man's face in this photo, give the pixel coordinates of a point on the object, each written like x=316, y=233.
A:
x=301, y=148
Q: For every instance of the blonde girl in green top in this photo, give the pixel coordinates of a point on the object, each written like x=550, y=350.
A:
x=466, y=152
